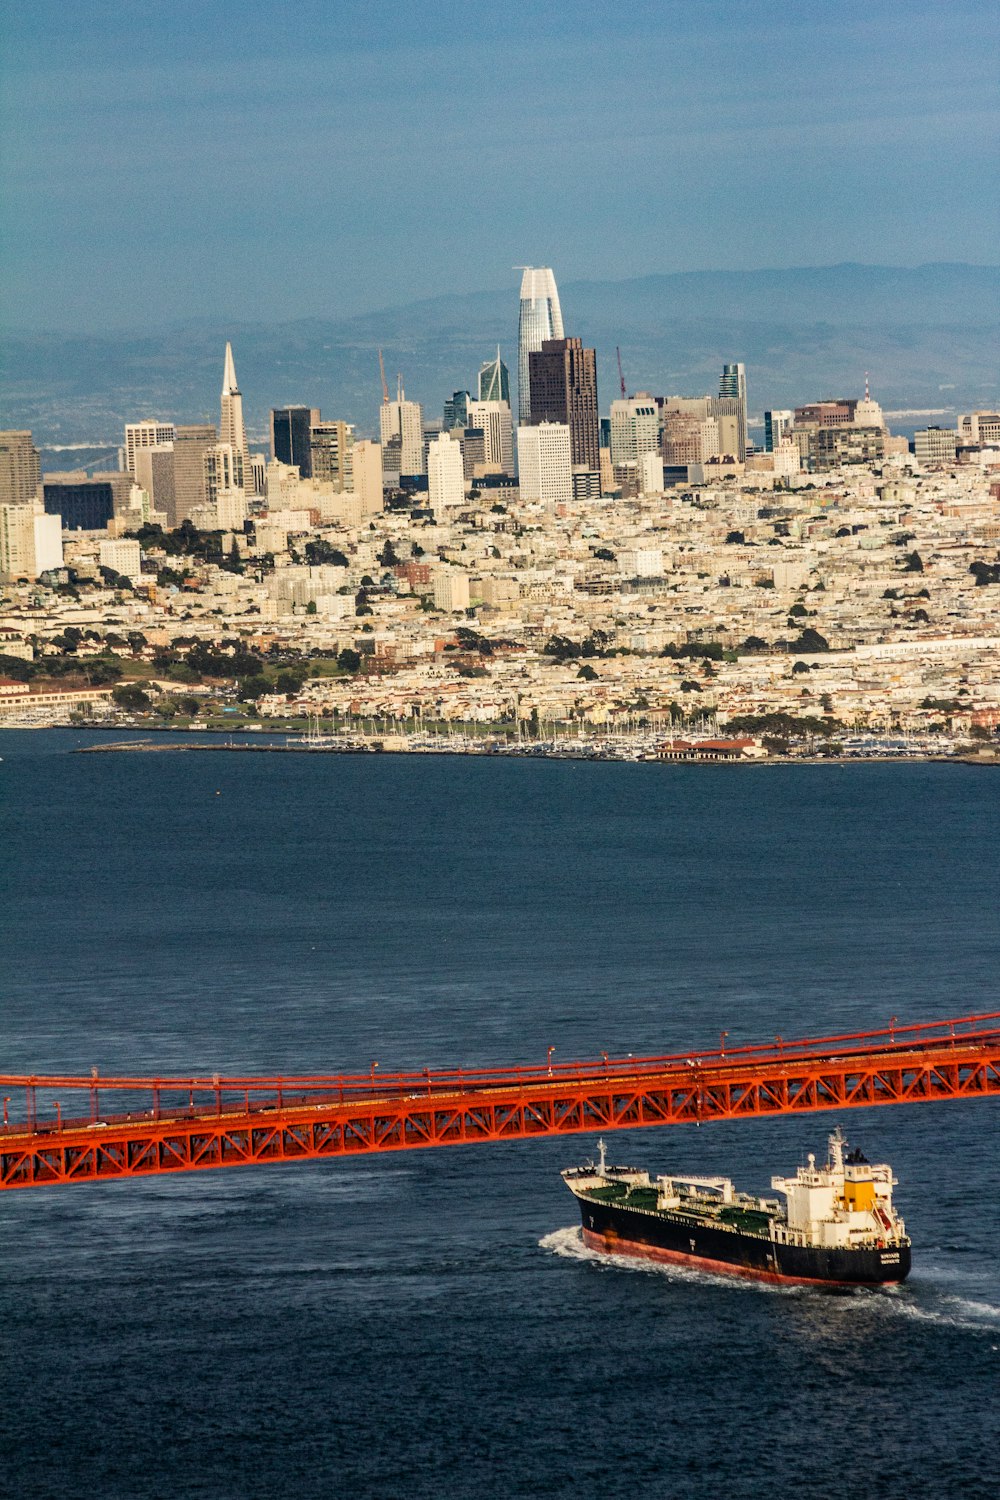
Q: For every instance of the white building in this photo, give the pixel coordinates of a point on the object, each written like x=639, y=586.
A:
x=650, y=474
x=445, y=474
x=634, y=428
x=367, y=476
x=151, y=433
x=494, y=417
x=123, y=557
x=640, y=562
x=451, y=588
x=544, y=464
x=30, y=542
x=401, y=429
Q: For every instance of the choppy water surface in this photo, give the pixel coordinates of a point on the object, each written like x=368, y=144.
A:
x=432, y=1325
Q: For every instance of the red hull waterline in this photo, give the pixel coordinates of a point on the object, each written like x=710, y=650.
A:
x=616, y=1246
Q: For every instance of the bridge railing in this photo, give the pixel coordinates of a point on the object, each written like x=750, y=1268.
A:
x=52, y=1103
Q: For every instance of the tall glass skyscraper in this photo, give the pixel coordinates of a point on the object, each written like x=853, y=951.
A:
x=494, y=380
x=541, y=319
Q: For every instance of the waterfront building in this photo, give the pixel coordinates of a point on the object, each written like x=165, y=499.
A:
x=563, y=384
x=540, y=319
x=544, y=463
x=494, y=380
x=291, y=429
x=777, y=424
x=150, y=433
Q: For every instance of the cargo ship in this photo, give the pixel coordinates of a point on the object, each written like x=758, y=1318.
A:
x=837, y=1226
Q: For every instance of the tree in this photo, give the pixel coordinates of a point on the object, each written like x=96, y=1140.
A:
x=349, y=660
x=387, y=557
x=321, y=551
x=587, y=672
x=736, y=538
x=809, y=641
x=290, y=681
x=131, y=696
x=311, y=607
x=913, y=563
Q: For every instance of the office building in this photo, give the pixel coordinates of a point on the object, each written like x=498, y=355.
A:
x=150, y=433
x=445, y=474
x=401, y=429
x=733, y=385
x=777, y=425
x=935, y=445
x=544, y=463
x=331, y=446
x=728, y=412
x=291, y=428
x=494, y=380
x=30, y=542
x=563, y=384
x=456, y=411
x=495, y=421
x=122, y=556
x=192, y=445
x=540, y=319
x=366, y=476
x=20, y=468
x=634, y=428
x=154, y=473
x=451, y=589
x=231, y=428
x=87, y=502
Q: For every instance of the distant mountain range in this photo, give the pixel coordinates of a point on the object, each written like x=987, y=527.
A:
x=927, y=334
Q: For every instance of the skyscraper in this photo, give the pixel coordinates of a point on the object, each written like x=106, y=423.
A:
x=401, y=427
x=540, y=319
x=543, y=463
x=635, y=428
x=151, y=433
x=20, y=468
x=291, y=428
x=776, y=425
x=192, y=445
x=456, y=410
x=563, y=388
x=494, y=380
x=231, y=428
x=332, y=450
x=445, y=476
x=494, y=418
x=733, y=384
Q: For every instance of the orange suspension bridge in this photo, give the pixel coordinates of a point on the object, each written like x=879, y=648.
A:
x=68, y=1129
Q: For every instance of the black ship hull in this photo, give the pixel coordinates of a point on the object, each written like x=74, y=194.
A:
x=686, y=1240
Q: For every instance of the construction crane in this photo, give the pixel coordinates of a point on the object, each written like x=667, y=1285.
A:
x=621, y=377
x=381, y=370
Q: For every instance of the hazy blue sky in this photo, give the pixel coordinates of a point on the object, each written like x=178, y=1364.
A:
x=260, y=161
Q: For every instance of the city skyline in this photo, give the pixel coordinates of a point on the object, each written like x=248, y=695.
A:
x=722, y=137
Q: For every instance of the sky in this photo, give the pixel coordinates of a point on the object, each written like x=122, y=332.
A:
x=261, y=162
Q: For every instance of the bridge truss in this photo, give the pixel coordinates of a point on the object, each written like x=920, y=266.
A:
x=167, y=1125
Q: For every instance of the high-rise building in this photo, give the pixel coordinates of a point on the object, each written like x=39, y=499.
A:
x=191, y=447
x=231, y=428
x=87, y=502
x=291, y=427
x=401, y=429
x=20, y=468
x=540, y=319
x=728, y=413
x=935, y=445
x=445, y=475
x=150, y=433
x=154, y=472
x=563, y=384
x=544, y=463
x=332, y=448
x=366, y=467
x=456, y=410
x=733, y=384
x=776, y=425
x=635, y=428
x=498, y=433
x=30, y=542
x=494, y=380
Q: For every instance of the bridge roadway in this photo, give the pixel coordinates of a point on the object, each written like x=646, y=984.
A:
x=165, y=1125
